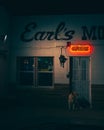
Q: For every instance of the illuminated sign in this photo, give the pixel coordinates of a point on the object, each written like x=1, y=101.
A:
x=80, y=49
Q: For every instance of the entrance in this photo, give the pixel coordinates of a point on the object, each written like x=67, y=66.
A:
x=80, y=76
x=35, y=71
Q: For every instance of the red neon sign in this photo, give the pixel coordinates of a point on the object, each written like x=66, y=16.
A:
x=80, y=49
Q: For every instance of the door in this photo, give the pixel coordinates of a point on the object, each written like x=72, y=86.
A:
x=80, y=76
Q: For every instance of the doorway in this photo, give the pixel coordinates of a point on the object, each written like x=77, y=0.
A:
x=80, y=76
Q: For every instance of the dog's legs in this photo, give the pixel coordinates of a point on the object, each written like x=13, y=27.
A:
x=70, y=106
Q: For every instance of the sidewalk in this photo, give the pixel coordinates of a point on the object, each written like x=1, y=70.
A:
x=27, y=109
x=30, y=117
x=19, y=117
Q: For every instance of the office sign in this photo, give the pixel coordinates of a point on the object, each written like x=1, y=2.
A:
x=80, y=49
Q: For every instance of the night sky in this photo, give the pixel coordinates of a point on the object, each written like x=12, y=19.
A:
x=31, y=7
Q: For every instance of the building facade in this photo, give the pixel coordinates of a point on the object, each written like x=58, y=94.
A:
x=37, y=44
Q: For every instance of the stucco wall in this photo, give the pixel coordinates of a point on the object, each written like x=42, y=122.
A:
x=52, y=47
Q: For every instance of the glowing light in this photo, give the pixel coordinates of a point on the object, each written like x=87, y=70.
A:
x=5, y=38
x=80, y=49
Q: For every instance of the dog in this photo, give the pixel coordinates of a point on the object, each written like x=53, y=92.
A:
x=72, y=100
x=77, y=103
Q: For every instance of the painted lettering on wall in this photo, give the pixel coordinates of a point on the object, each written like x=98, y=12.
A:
x=46, y=35
x=61, y=33
x=94, y=33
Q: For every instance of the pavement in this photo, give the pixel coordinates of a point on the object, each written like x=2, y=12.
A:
x=21, y=118
x=22, y=112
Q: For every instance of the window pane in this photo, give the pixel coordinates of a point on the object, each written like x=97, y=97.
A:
x=26, y=78
x=45, y=79
x=25, y=70
x=26, y=63
x=45, y=63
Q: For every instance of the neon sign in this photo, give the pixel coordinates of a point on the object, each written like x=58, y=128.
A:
x=80, y=49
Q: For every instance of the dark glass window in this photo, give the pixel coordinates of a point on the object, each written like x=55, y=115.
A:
x=45, y=79
x=26, y=78
x=45, y=63
x=25, y=70
x=37, y=71
x=45, y=71
x=26, y=63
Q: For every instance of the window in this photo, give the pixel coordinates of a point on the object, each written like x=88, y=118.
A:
x=45, y=71
x=36, y=71
x=25, y=70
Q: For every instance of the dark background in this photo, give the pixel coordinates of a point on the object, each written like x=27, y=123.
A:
x=32, y=7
